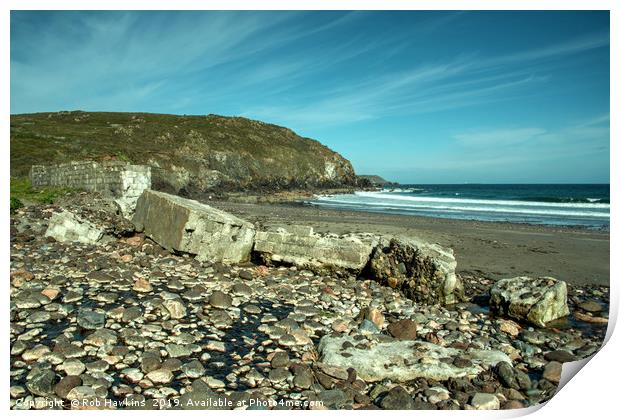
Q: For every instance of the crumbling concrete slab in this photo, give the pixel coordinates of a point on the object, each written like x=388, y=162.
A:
x=67, y=227
x=301, y=247
x=424, y=272
x=183, y=225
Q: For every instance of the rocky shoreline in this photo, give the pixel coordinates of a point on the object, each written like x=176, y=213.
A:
x=127, y=324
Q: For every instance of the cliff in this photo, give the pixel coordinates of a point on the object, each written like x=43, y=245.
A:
x=187, y=154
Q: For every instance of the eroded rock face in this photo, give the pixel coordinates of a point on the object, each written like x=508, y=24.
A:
x=305, y=249
x=404, y=360
x=67, y=227
x=424, y=272
x=183, y=225
x=537, y=301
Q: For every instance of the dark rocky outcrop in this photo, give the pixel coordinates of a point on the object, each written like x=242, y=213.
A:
x=373, y=181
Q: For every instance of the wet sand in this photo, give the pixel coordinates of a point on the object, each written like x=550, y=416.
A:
x=491, y=249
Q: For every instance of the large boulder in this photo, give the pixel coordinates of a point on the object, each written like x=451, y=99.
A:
x=405, y=360
x=68, y=227
x=424, y=272
x=330, y=253
x=537, y=301
x=183, y=225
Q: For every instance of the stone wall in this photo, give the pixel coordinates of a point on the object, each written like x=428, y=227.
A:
x=116, y=178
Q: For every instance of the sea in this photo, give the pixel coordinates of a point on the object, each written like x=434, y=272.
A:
x=585, y=205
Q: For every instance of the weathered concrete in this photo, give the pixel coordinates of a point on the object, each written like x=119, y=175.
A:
x=303, y=248
x=404, y=360
x=424, y=272
x=537, y=301
x=183, y=225
x=115, y=178
x=67, y=227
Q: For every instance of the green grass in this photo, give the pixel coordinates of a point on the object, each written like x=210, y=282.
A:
x=22, y=192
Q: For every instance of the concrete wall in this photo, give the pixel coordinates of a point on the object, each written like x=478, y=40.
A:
x=116, y=178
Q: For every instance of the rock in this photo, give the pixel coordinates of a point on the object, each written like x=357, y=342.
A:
x=220, y=300
x=90, y=320
x=66, y=384
x=81, y=394
x=303, y=378
x=482, y=401
x=537, y=301
x=41, y=382
x=397, y=399
x=591, y=319
x=509, y=327
x=506, y=375
x=220, y=318
x=51, y=293
x=217, y=346
x=333, y=371
x=368, y=327
x=67, y=227
x=404, y=360
x=280, y=360
x=404, y=329
x=180, y=224
x=279, y=374
x=424, y=272
x=193, y=369
x=333, y=398
x=242, y=289
x=160, y=376
x=561, y=356
x=553, y=372
x=19, y=278
x=101, y=337
x=35, y=353
x=246, y=275
x=176, y=308
x=142, y=285
x=305, y=249
x=590, y=306
x=374, y=315
x=73, y=367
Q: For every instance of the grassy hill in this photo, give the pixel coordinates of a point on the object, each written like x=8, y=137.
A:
x=191, y=153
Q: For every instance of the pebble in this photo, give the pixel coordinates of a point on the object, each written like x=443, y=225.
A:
x=159, y=325
x=484, y=401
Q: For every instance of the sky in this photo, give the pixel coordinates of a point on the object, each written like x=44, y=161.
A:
x=413, y=96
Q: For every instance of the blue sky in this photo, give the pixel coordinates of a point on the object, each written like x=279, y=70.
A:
x=419, y=97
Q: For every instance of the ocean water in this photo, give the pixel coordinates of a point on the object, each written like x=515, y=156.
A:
x=548, y=204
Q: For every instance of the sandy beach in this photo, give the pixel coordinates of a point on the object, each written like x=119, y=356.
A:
x=491, y=249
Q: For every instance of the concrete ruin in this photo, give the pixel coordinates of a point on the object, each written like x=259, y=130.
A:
x=425, y=273
x=301, y=247
x=67, y=227
x=118, y=179
x=183, y=225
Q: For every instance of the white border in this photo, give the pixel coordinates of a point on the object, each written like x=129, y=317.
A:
x=591, y=394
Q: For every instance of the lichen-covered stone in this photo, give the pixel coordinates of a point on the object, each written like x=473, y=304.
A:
x=424, y=272
x=537, y=301
x=183, y=225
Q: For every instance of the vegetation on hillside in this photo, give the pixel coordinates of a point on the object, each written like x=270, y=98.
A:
x=185, y=151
